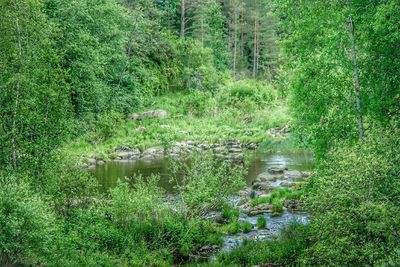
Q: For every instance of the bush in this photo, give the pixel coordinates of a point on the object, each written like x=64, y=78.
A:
x=27, y=225
x=277, y=205
x=246, y=227
x=107, y=124
x=206, y=183
x=248, y=93
x=230, y=213
x=355, y=196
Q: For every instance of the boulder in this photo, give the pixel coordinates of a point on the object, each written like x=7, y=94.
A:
x=276, y=170
x=153, y=153
x=267, y=177
x=133, y=116
x=132, y=154
x=292, y=174
x=251, y=146
x=248, y=133
x=261, y=209
x=265, y=186
x=157, y=113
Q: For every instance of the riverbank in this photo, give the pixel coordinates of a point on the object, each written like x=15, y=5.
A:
x=172, y=121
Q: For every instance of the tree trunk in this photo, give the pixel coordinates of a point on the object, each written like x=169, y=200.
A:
x=234, y=42
x=356, y=79
x=183, y=9
x=255, y=48
x=17, y=95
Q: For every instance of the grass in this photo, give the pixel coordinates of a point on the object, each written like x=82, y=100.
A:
x=276, y=198
x=261, y=223
x=195, y=116
x=246, y=227
x=285, y=250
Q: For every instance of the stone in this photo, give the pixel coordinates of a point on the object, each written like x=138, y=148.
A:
x=100, y=162
x=293, y=204
x=133, y=116
x=157, y=113
x=267, y=177
x=235, y=150
x=207, y=250
x=92, y=161
x=293, y=174
x=204, y=146
x=262, y=186
x=245, y=192
x=141, y=129
x=251, y=146
x=123, y=148
x=152, y=153
x=216, y=217
x=276, y=170
x=248, y=133
x=132, y=154
x=261, y=209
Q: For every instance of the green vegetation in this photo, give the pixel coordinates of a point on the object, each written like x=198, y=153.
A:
x=286, y=250
x=192, y=116
x=261, y=223
x=74, y=73
x=276, y=198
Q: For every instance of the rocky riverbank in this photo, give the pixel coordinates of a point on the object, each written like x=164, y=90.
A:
x=231, y=150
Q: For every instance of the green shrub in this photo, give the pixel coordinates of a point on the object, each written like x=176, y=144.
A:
x=233, y=228
x=230, y=213
x=260, y=200
x=246, y=227
x=206, y=183
x=277, y=205
x=197, y=103
x=354, y=197
x=27, y=225
x=261, y=223
x=247, y=93
x=106, y=125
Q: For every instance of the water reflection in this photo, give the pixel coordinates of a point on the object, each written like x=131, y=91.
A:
x=109, y=173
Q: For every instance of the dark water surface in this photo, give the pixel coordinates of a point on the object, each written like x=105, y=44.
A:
x=109, y=173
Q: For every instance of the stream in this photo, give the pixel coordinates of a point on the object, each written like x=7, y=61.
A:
x=258, y=163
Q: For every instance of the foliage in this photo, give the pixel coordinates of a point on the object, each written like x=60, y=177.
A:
x=206, y=183
x=321, y=75
x=354, y=198
x=34, y=100
x=248, y=92
x=246, y=227
x=284, y=250
x=277, y=196
x=261, y=223
x=26, y=223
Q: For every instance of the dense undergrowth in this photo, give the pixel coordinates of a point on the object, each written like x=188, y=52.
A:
x=132, y=226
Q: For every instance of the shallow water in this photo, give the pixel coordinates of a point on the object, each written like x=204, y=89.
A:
x=257, y=163
x=274, y=225
x=109, y=173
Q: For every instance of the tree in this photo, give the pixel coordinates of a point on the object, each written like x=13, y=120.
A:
x=34, y=104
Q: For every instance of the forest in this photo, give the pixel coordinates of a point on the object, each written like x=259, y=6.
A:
x=262, y=133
